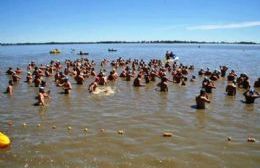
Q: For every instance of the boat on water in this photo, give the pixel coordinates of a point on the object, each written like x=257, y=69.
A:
x=4, y=140
x=112, y=50
x=83, y=53
x=55, y=51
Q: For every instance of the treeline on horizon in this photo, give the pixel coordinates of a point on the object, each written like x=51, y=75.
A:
x=122, y=42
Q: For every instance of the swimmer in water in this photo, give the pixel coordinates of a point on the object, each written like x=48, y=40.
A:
x=41, y=97
x=251, y=95
x=202, y=99
x=137, y=81
x=92, y=87
x=231, y=88
x=66, y=85
x=163, y=84
x=9, y=89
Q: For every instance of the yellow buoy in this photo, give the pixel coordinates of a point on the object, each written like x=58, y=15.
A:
x=121, y=132
x=4, y=140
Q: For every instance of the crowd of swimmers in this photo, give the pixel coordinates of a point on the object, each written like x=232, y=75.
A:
x=137, y=71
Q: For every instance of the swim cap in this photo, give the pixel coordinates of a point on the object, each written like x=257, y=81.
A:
x=41, y=88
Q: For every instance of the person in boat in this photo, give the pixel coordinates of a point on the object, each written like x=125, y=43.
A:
x=42, y=95
x=9, y=89
x=137, y=81
x=257, y=83
x=231, y=88
x=250, y=96
x=202, y=99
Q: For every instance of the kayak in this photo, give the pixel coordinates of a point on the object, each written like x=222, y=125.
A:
x=4, y=140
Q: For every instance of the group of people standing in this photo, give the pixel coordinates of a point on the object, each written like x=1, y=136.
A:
x=138, y=71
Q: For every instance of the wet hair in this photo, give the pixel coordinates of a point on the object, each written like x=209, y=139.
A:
x=11, y=82
x=202, y=91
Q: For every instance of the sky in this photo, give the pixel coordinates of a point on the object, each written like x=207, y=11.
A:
x=129, y=20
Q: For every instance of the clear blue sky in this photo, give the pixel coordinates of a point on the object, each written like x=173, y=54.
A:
x=130, y=20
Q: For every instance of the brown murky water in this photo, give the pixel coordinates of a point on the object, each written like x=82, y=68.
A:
x=199, y=136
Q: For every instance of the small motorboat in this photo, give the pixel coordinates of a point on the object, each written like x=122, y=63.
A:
x=83, y=53
x=112, y=50
x=55, y=51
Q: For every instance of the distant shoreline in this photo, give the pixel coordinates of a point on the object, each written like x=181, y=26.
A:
x=132, y=42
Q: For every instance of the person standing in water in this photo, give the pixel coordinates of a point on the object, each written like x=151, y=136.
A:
x=202, y=99
x=231, y=88
x=66, y=85
x=9, y=89
x=251, y=95
x=41, y=97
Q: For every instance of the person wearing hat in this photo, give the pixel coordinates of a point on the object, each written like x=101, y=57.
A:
x=202, y=99
x=231, y=88
x=251, y=95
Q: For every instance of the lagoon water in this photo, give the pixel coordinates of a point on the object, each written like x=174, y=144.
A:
x=199, y=136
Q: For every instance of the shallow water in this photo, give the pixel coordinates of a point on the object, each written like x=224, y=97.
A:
x=199, y=136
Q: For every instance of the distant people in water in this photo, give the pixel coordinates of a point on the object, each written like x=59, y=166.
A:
x=251, y=95
x=144, y=74
x=202, y=99
x=231, y=88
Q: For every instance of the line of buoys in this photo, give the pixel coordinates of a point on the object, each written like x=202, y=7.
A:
x=4, y=140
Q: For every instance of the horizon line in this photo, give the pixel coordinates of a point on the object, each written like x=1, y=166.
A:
x=137, y=41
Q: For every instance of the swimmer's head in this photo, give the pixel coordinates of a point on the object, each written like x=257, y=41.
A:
x=11, y=82
x=202, y=91
x=28, y=73
x=41, y=89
